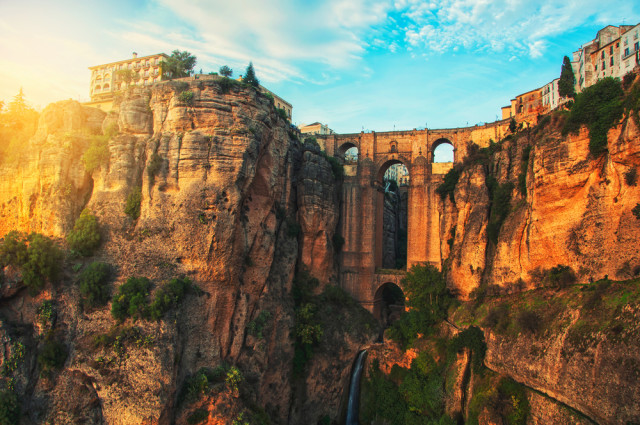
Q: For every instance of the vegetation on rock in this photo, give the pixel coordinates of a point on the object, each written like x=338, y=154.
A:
x=250, y=76
x=566, y=84
x=179, y=64
x=132, y=206
x=84, y=239
x=93, y=284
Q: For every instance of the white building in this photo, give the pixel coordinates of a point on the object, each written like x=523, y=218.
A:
x=316, y=128
x=629, y=50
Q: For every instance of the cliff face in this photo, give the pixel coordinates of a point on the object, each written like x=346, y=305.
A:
x=222, y=185
x=576, y=211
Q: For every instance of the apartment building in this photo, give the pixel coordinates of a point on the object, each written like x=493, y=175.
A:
x=629, y=50
x=316, y=128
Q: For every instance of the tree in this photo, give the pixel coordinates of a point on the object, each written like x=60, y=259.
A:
x=225, y=71
x=566, y=85
x=85, y=236
x=250, y=76
x=512, y=125
x=127, y=76
x=179, y=64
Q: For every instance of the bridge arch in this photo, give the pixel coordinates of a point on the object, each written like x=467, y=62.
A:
x=443, y=150
x=388, y=303
x=346, y=147
x=383, y=165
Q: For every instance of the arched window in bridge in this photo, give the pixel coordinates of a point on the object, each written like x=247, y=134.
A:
x=391, y=231
x=443, y=151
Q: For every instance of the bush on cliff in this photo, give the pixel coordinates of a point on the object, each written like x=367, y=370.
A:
x=85, y=236
x=598, y=107
x=36, y=255
x=154, y=166
x=500, y=206
x=9, y=408
x=93, y=284
x=168, y=296
x=131, y=300
x=448, y=186
x=132, y=207
x=636, y=211
x=428, y=298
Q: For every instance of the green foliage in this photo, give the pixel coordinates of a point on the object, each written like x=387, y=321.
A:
x=17, y=124
x=97, y=154
x=93, y=284
x=85, y=236
x=303, y=287
x=336, y=165
x=448, y=186
x=36, y=255
x=566, y=85
x=473, y=339
x=598, y=107
x=46, y=313
x=282, y=114
x=12, y=362
x=132, y=206
x=226, y=84
x=338, y=242
x=561, y=276
x=9, y=408
x=52, y=354
x=428, y=298
x=512, y=125
x=250, y=76
x=225, y=71
x=529, y=321
x=179, y=64
x=524, y=167
x=198, y=416
x=168, y=297
x=233, y=378
x=498, y=318
x=256, y=326
x=631, y=176
x=155, y=164
x=311, y=140
x=187, y=97
x=507, y=398
x=636, y=211
x=500, y=206
x=628, y=79
x=131, y=300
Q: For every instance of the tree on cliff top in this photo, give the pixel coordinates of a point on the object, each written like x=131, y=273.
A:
x=225, y=71
x=250, y=76
x=179, y=64
x=566, y=85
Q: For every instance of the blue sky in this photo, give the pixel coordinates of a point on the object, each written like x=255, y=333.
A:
x=353, y=64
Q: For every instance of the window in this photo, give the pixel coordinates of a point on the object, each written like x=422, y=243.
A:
x=626, y=51
x=602, y=55
x=611, y=61
x=636, y=46
x=611, y=50
x=604, y=65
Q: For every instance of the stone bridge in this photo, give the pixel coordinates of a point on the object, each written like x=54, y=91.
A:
x=363, y=198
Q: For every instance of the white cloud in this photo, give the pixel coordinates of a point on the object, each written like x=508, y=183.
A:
x=517, y=26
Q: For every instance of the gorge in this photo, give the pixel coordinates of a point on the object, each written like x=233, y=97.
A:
x=277, y=243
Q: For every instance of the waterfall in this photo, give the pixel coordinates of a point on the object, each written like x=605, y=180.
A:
x=353, y=406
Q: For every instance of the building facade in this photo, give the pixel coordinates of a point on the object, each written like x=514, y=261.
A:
x=279, y=102
x=629, y=50
x=110, y=78
x=316, y=128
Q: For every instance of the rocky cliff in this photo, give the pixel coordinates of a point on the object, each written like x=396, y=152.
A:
x=228, y=197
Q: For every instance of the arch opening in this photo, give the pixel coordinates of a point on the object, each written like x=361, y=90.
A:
x=388, y=304
x=443, y=151
x=348, y=152
x=392, y=216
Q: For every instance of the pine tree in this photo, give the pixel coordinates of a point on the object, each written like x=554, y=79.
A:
x=566, y=85
x=250, y=76
x=225, y=71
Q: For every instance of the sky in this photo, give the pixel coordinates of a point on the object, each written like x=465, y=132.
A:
x=356, y=65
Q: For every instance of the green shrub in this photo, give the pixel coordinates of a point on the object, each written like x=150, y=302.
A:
x=9, y=408
x=628, y=79
x=132, y=207
x=46, y=313
x=636, y=211
x=131, y=300
x=154, y=166
x=498, y=318
x=36, y=255
x=233, y=378
x=187, y=97
x=500, y=206
x=529, y=321
x=199, y=415
x=473, y=339
x=448, y=186
x=169, y=296
x=598, y=107
x=256, y=326
x=97, y=154
x=226, y=84
x=85, y=236
x=311, y=140
x=336, y=166
x=282, y=114
x=93, y=284
x=52, y=355
x=338, y=242
x=631, y=176
x=561, y=276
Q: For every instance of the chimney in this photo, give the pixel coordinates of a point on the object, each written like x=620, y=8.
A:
x=135, y=55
